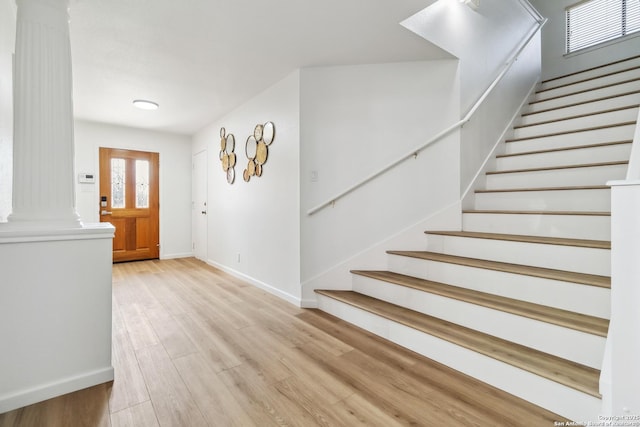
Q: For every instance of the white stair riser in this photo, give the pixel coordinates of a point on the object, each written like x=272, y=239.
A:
x=554, y=200
x=592, y=73
x=559, y=257
x=621, y=116
x=586, y=108
x=590, y=300
x=557, y=398
x=607, y=153
x=586, y=349
x=590, y=227
x=597, y=136
x=593, y=175
x=589, y=84
x=619, y=89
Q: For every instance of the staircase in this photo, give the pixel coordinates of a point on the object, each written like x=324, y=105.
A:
x=520, y=298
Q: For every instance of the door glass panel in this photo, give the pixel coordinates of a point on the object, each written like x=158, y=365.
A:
x=118, y=182
x=142, y=183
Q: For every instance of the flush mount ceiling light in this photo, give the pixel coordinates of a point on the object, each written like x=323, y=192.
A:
x=145, y=105
x=473, y=4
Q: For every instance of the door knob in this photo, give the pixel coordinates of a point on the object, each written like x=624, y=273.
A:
x=105, y=213
x=203, y=212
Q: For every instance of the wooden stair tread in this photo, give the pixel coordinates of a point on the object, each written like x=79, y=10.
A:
x=517, y=212
x=571, y=374
x=597, y=67
x=526, y=270
x=582, y=243
x=574, y=104
x=588, y=79
x=575, y=147
x=578, y=92
x=580, y=322
x=513, y=190
x=568, y=132
x=548, y=168
x=578, y=116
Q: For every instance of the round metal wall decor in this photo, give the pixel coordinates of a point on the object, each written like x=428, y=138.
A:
x=227, y=155
x=257, y=149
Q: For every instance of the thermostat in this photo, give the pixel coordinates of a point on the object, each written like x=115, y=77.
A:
x=86, y=178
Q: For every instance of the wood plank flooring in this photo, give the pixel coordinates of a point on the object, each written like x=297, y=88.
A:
x=193, y=346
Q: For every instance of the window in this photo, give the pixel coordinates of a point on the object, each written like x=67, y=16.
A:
x=595, y=21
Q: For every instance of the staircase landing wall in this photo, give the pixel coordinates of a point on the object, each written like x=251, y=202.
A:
x=354, y=121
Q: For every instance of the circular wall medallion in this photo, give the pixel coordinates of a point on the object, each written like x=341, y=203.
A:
x=251, y=147
x=223, y=144
x=251, y=168
x=231, y=175
x=257, y=132
x=222, y=132
x=232, y=160
x=231, y=143
x=225, y=162
x=258, y=170
x=268, y=133
x=246, y=175
x=262, y=153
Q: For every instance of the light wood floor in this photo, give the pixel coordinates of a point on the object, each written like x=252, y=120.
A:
x=193, y=346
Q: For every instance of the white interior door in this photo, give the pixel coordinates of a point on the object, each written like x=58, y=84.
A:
x=199, y=205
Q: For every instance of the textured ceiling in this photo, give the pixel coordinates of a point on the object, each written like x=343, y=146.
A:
x=199, y=59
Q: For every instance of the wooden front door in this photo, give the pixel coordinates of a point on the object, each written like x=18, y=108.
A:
x=129, y=199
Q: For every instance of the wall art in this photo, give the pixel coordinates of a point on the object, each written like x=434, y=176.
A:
x=256, y=149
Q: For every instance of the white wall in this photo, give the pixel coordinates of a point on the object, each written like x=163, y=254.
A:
x=7, y=42
x=354, y=121
x=483, y=39
x=175, y=177
x=556, y=63
x=254, y=227
x=55, y=312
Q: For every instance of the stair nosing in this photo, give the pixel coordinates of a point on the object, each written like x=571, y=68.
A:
x=591, y=69
x=609, y=74
x=523, y=212
x=517, y=355
x=575, y=104
x=589, y=129
x=580, y=92
x=558, y=241
x=524, y=270
x=529, y=189
x=578, y=116
x=587, y=324
x=575, y=147
x=548, y=168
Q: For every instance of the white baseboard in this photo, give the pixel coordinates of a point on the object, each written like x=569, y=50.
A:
x=19, y=399
x=258, y=284
x=174, y=256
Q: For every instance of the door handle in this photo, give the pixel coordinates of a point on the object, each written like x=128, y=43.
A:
x=105, y=213
x=203, y=212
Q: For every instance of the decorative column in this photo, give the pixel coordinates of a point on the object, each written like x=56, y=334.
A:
x=43, y=153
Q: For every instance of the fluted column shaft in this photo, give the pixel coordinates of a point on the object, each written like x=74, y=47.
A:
x=43, y=151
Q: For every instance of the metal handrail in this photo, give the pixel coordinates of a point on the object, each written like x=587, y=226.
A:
x=414, y=153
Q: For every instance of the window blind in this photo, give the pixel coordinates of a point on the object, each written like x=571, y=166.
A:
x=595, y=21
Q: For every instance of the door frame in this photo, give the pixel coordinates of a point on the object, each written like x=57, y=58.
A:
x=130, y=212
x=200, y=159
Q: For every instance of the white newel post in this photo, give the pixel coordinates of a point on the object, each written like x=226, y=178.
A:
x=43, y=151
x=622, y=363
